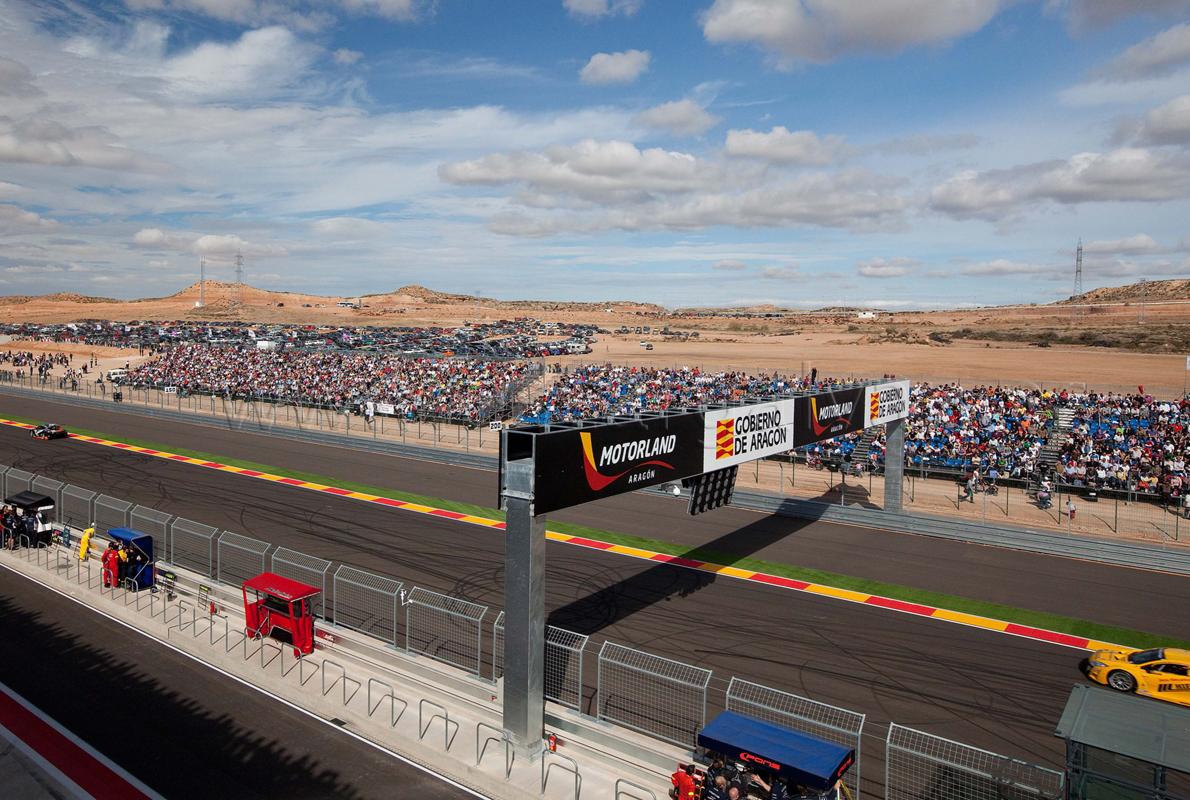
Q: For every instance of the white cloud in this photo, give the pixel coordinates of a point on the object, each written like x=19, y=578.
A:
x=680, y=117
x=1089, y=14
x=16, y=80
x=158, y=239
x=786, y=147
x=595, y=9
x=821, y=30
x=781, y=273
x=345, y=56
x=230, y=244
x=1158, y=55
x=14, y=219
x=729, y=265
x=1126, y=174
x=38, y=139
x=885, y=268
x=1167, y=124
x=622, y=67
x=1001, y=266
x=262, y=62
x=348, y=228
x=398, y=10
x=1140, y=243
x=302, y=15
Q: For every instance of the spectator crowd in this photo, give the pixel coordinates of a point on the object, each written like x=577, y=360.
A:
x=461, y=390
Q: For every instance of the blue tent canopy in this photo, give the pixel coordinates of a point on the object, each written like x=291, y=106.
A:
x=799, y=757
x=143, y=577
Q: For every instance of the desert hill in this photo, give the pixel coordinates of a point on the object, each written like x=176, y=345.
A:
x=1149, y=291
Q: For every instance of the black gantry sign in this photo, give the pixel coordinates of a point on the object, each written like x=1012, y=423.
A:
x=579, y=465
x=825, y=415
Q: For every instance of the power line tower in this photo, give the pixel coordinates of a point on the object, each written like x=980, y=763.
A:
x=237, y=295
x=1144, y=292
x=202, y=283
x=1078, y=269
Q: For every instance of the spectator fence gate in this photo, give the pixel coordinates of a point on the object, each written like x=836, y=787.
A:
x=110, y=512
x=78, y=509
x=191, y=545
x=654, y=695
x=240, y=558
x=17, y=480
x=828, y=722
x=445, y=628
x=156, y=524
x=564, y=653
x=50, y=488
x=366, y=602
x=304, y=568
x=920, y=765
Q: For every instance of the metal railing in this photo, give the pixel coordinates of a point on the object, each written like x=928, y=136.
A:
x=191, y=545
x=832, y=723
x=564, y=653
x=240, y=558
x=366, y=602
x=445, y=628
x=919, y=764
x=110, y=512
x=308, y=569
x=651, y=694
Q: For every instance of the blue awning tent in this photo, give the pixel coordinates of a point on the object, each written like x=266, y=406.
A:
x=800, y=758
x=142, y=577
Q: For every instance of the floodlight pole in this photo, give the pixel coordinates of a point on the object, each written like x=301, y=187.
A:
x=524, y=610
x=894, y=464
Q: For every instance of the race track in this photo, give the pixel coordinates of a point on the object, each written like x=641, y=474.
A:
x=987, y=689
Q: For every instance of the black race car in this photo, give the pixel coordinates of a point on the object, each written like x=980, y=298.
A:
x=48, y=432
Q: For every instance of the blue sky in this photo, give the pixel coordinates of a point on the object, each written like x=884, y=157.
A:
x=907, y=153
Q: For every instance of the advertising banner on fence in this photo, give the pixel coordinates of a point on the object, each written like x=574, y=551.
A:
x=886, y=402
x=828, y=414
x=735, y=435
x=578, y=466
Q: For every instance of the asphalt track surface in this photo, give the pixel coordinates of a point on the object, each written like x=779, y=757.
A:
x=182, y=729
x=986, y=689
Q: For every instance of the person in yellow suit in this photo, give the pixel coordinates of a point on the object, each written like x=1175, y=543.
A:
x=85, y=543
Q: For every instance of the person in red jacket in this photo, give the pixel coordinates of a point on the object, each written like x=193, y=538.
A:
x=684, y=786
x=111, y=565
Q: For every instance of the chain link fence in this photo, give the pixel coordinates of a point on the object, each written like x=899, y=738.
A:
x=564, y=651
x=651, y=694
x=50, y=488
x=17, y=480
x=78, y=510
x=239, y=558
x=921, y=766
x=366, y=602
x=191, y=545
x=824, y=721
x=110, y=512
x=156, y=524
x=307, y=569
x=445, y=628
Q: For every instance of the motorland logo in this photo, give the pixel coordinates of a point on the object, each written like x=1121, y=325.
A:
x=645, y=451
x=827, y=417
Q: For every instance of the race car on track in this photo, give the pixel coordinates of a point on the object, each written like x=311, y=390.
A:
x=48, y=432
x=1162, y=672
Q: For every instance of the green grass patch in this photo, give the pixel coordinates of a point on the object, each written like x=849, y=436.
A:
x=1021, y=616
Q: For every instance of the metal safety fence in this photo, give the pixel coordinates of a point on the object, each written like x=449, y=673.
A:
x=921, y=766
x=307, y=569
x=17, y=480
x=445, y=628
x=651, y=694
x=367, y=602
x=155, y=523
x=564, y=652
x=110, y=512
x=49, y=487
x=78, y=508
x=191, y=545
x=239, y=558
x=832, y=723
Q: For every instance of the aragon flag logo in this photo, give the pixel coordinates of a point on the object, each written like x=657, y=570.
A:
x=874, y=406
x=725, y=438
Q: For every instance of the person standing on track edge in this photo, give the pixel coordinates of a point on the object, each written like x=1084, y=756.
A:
x=684, y=787
x=85, y=543
x=111, y=568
